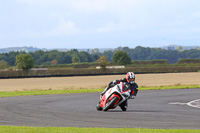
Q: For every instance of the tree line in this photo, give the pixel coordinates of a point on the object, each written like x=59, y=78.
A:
x=51, y=57
x=172, y=56
x=74, y=56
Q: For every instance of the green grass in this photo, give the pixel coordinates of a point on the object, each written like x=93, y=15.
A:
x=51, y=92
x=23, y=129
x=178, y=86
x=46, y=92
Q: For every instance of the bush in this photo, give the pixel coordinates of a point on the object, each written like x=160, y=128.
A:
x=150, y=62
x=93, y=71
x=3, y=64
x=188, y=61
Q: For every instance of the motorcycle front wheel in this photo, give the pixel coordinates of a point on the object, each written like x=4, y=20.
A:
x=110, y=103
x=98, y=107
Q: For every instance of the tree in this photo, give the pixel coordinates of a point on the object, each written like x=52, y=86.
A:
x=109, y=54
x=24, y=61
x=121, y=58
x=103, y=62
x=179, y=48
x=75, y=60
x=3, y=64
x=54, y=62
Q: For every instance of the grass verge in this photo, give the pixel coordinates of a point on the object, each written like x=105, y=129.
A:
x=178, y=86
x=51, y=92
x=23, y=129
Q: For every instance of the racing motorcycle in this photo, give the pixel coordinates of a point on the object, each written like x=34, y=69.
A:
x=115, y=96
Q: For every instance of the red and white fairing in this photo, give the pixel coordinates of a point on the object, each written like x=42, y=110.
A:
x=121, y=90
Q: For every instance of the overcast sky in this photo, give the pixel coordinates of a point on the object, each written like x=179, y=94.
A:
x=99, y=23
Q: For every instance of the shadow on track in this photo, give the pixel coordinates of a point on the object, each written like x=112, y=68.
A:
x=138, y=111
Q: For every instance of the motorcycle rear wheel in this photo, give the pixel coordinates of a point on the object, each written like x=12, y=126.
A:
x=110, y=103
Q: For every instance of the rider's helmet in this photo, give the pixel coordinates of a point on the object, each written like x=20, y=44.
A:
x=130, y=77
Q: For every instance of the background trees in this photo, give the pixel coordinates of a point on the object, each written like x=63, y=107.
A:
x=24, y=61
x=3, y=64
x=103, y=62
x=121, y=58
x=139, y=53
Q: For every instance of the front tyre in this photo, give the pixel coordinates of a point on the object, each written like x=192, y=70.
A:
x=98, y=107
x=110, y=103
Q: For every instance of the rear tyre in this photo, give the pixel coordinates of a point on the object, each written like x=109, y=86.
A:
x=98, y=107
x=110, y=103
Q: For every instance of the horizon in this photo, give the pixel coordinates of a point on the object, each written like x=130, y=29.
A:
x=89, y=24
x=95, y=48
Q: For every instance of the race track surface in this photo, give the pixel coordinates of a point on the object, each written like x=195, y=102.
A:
x=166, y=109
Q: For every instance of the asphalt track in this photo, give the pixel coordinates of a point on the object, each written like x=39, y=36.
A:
x=166, y=109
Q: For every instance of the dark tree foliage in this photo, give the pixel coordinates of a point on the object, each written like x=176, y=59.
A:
x=139, y=53
x=121, y=58
x=24, y=61
x=146, y=53
x=46, y=57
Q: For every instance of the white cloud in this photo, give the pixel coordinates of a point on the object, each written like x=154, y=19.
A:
x=108, y=27
x=64, y=28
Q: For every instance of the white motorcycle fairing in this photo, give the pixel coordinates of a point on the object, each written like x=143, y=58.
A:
x=120, y=92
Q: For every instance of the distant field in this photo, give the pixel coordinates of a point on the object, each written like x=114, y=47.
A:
x=90, y=82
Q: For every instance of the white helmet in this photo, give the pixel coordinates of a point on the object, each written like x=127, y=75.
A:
x=130, y=77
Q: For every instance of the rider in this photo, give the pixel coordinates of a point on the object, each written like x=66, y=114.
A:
x=130, y=78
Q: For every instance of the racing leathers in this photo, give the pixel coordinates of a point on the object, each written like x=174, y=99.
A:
x=133, y=87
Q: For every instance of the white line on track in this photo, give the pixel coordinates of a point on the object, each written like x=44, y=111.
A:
x=194, y=103
x=178, y=103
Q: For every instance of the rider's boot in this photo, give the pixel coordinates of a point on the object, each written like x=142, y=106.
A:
x=124, y=105
x=135, y=93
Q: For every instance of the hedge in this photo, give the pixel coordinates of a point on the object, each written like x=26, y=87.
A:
x=93, y=71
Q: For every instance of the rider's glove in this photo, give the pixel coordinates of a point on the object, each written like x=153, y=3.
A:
x=115, y=82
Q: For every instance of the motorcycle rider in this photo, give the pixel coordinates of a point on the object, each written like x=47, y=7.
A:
x=130, y=78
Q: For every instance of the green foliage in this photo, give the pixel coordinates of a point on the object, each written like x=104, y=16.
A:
x=121, y=58
x=57, y=71
x=24, y=61
x=75, y=60
x=3, y=64
x=109, y=54
x=10, y=57
x=188, y=61
x=138, y=53
x=150, y=62
x=103, y=62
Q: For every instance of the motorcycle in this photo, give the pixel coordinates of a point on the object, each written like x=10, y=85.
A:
x=115, y=96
